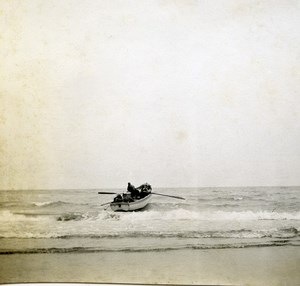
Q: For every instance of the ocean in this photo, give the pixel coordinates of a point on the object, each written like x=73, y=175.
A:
x=72, y=221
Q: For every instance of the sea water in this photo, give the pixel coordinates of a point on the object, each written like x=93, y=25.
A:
x=72, y=221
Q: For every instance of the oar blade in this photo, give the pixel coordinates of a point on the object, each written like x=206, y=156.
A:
x=107, y=193
x=176, y=197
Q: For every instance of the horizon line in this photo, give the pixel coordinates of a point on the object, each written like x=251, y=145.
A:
x=180, y=187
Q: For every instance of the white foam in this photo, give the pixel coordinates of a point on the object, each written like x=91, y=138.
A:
x=238, y=198
x=182, y=214
x=8, y=216
x=41, y=204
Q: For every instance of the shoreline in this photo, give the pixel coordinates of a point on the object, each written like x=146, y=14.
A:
x=239, y=266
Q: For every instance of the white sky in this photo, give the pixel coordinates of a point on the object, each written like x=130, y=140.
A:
x=175, y=93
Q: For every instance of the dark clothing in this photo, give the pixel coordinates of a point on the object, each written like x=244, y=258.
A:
x=118, y=198
x=127, y=198
x=130, y=188
x=133, y=191
x=144, y=193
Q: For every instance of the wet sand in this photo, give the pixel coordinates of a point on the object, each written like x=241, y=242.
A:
x=250, y=266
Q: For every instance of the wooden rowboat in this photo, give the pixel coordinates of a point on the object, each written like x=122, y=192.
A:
x=133, y=200
x=131, y=206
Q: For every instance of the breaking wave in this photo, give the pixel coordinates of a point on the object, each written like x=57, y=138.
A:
x=8, y=216
x=278, y=233
x=291, y=232
x=147, y=249
x=182, y=214
x=43, y=204
x=52, y=204
x=35, y=204
x=179, y=214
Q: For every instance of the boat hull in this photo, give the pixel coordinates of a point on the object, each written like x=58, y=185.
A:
x=131, y=206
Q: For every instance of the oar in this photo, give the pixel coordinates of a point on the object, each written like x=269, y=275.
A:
x=175, y=197
x=105, y=204
x=106, y=193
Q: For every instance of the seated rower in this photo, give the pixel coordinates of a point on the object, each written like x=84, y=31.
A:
x=133, y=191
x=145, y=190
x=127, y=198
x=118, y=198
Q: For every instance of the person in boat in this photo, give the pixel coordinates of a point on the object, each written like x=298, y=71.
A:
x=118, y=198
x=144, y=193
x=135, y=194
x=148, y=187
x=127, y=198
x=145, y=190
x=130, y=187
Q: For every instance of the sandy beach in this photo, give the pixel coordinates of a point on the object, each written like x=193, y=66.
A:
x=248, y=266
